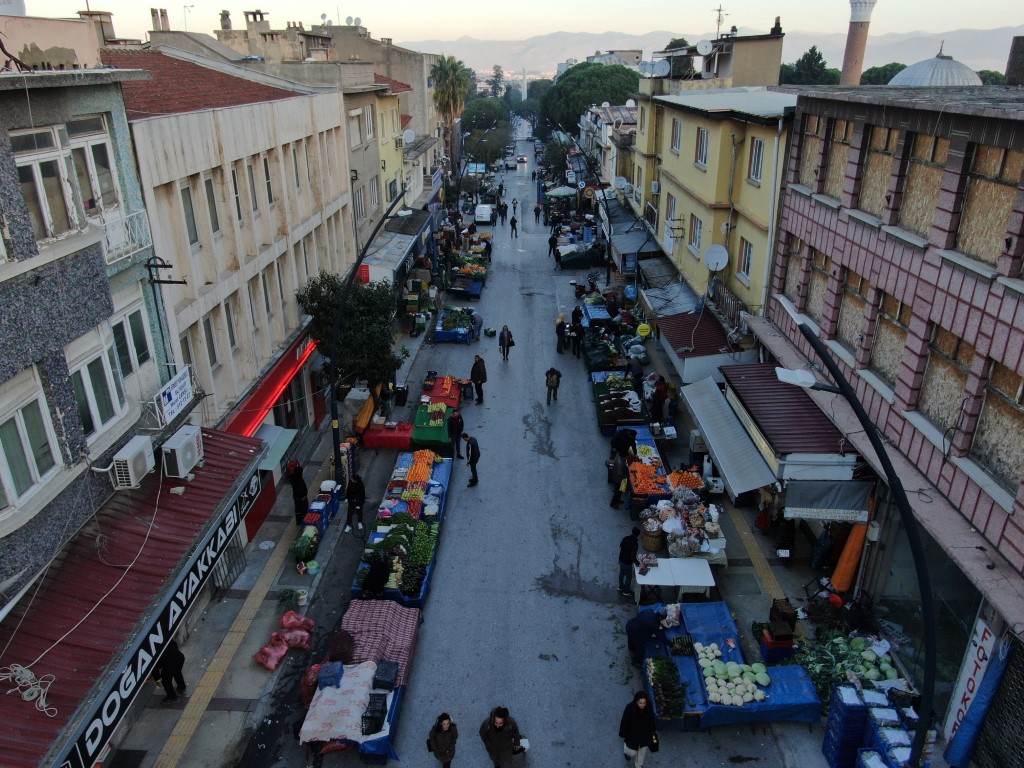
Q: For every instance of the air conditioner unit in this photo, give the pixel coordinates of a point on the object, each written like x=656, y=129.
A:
x=399, y=142
x=655, y=187
x=182, y=451
x=133, y=462
x=697, y=444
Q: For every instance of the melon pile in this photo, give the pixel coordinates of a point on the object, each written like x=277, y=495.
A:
x=730, y=683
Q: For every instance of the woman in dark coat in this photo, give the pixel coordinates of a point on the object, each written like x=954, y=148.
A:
x=505, y=341
x=442, y=740
x=638, y=728
x=560, y=332
x=300, y=492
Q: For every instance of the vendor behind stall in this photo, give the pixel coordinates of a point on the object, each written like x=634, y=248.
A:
x=639, y=630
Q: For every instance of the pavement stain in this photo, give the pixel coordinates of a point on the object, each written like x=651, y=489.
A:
x=538, y=426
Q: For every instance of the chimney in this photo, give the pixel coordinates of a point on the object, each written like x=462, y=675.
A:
x=1015, y=64
x=155, y=14
x=856, y=41
x=165, y=25
x=225, y=20
x=777, y=29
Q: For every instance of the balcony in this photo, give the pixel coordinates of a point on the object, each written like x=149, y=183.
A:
x=623, y=140
x=125, y=236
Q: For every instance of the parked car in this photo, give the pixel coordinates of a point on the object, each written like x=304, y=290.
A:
x=486, y=214
x=510, y=163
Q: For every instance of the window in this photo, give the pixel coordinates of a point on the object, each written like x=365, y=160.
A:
x=669, y=236
x=642, y=125
x=190, y=215
x=638, y=184
x=229, y=322
x=693, y=240
x=252, y=188
x=237, y=195
x=96, y=384
x=383, y=128
x=700, y=155
x=354, y=132
x=266, y=176
x=295, y=164
x=369, y=122
x=90, y=153
x=746, y=257
x=186, y=350
x=942, y=399
x=130, y=342
x=359, y=202
x=252, y=305
x=374, y=192
x=997, y=445
x=305, y=259
x=26, y=442
x=43, y=173
x=756, y=159
x=890, y=338
x=280, y=282
x=266, y=293
x=211, y=341
x=677, y=133
x=211, y=205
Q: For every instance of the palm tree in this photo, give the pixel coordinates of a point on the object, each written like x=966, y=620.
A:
x=451, y=84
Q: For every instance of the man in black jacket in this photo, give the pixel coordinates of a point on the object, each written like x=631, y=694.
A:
x=356, y=495
x=168, y=670
x=628, y=548
x=478, y=375
x=472, y=456
x=456, y=426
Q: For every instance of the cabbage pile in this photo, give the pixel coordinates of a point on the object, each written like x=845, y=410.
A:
x=730, y=683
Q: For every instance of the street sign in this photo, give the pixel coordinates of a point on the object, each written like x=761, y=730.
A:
x=581, y=185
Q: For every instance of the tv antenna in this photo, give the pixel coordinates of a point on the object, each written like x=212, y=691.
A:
x=184, y=11
x=719, y=18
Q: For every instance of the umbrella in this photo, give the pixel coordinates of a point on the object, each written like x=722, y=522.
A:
x=561, y=192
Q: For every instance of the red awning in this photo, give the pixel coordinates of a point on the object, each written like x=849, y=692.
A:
x=75, y=629
x=697, y=330
x=256, y=406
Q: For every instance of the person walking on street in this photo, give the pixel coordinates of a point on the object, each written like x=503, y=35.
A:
x=628, y=548
x=515, y=204
x=617, y=474
x=552, y=243
x=478, y=375
x=638, y=729
x=300, y=492
x=472, y=457
x=576, y=334
x=356, y=495
x=168, y=670
x=552, y=378
x=456, y=426
x=441, y=740
x=558, y=260
x=501, y=737
x=513, y=223
x=536, y=212
x=503, y=210
x=505, y=341
x=560, y=333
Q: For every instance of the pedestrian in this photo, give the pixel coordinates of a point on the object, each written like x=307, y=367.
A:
x=478, y=324
x=558, y=259
x=503, y=211
x=501, y=189
x=501, y=737
x=505, y=341
x=612, y=305
x=478, y=375
x=441, y=740
x=300, y=492
x=168, y=670
x=576, y=336
x=636, y=369
x=552, y=378
x=472, y=457
x=515, y=204
x=456, y=426
x=533, y=176
x=487, y=250
x=617, y=474
x=513, y=223
x=577, y=314
x=536, y=212
x=628, y=549
x=658, y=399
x=355, y=492
x=560, y=333
x=552, y=242
x=638, y=729
x=640, y=629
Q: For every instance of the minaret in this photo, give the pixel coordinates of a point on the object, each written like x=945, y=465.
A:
x=856, y=41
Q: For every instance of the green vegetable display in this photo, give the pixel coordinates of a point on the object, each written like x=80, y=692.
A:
x=836, y=659
x=669, y=694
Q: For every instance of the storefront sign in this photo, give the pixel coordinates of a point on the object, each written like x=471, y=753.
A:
x=175, y=395
x=123, y=687
x=979, y=651
x=570, y=177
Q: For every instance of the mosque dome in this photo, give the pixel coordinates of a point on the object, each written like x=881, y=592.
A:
x=941, y=71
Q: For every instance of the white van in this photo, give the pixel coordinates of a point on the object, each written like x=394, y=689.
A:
x=486, y=214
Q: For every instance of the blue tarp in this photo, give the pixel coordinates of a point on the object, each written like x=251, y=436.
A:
x=594, y=313
x=383, y=747
x=456, y=335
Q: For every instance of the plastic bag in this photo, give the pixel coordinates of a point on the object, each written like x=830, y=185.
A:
x=308, y=685
x=270, y=655
x=293, y=638
x=673, y=525
x=292, y=620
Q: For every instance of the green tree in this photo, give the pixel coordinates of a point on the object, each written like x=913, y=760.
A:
x=682, y=66
x=585, y=84
x=535, y=89
x=881, y=75
x=451, y=84
x=529, y=110
x=496, y=82
x=487, y=145
x=991, y=77
x=365, y=344
x=554, y=155
x=483, y=113
x=809, y=69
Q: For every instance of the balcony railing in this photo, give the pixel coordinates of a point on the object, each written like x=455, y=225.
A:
x=125, y=236
x=728, y=305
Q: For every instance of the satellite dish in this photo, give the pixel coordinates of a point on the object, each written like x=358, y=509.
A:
x=330, y=23
x=323, y=17
x=704, y=47
x=408, y=136
x=630, y=103
x=662, y=68
x=642, y=66
x=605, y=104
x=716, y=257
x=357, y=21
x=348, y=21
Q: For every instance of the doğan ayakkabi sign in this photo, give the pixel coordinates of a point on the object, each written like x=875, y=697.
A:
x=120, y=690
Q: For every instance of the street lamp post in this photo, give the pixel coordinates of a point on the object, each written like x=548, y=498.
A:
x=806, y=379
x=342, y=302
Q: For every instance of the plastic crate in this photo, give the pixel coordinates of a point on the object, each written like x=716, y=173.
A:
x=775, y=644
x=870, y=758
x=378, y=703
x=780, y=631
x=386, y=676
x=775, y=655
x=372, y=723
x=330, y=675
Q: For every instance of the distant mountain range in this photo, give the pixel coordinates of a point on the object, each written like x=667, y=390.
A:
x=977, y=48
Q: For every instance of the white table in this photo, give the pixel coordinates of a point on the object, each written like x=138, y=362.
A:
x=690, y=574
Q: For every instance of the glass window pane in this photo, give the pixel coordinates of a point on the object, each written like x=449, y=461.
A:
x=30, y=142
x=82, y=401
x=38, y=439
x=31, y=195
x=116, y=375
x=139, y=337
x=266, y=175
x=211, y=203
x=54, y=192
x=82, y=175
x=229, y=320
x=3, y=497
x=104, y=175
x=14, y=453
x=252, y=186
x=84, y=125
x=101, y=390
x=211, y=345
x=190, y=215
x=124, y=355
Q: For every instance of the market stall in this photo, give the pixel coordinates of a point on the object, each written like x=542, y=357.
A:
x=599, y=352
x=617, y=404
x=647, y=476
x=392, y=435
x=453, y=325
x=685, y=525
x=688, y=576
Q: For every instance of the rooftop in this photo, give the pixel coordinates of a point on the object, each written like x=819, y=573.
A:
x=624, y=115
x=997, y=101
x=10, y=81
x=941, y=71
x=394, y=86
x=746, y=103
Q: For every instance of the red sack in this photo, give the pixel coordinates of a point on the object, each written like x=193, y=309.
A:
x=308, y=685
x=293, y=638
x=292, y=620
x=270, y=655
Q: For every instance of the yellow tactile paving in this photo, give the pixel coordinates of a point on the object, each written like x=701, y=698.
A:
x=173, y=751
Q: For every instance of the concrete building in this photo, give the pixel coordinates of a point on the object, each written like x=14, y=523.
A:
x=599, y=127
x=901, y=244
x=624, y=57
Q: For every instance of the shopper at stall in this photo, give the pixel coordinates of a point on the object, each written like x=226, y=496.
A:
x=638, y=729
x=658, y=399
x=300, y=491
x=628, y=549
x=639, y=630
x=612, y=305
x=552, y=378
x=355, y=493
x=478, y=324
x=636, y=369
x=441, y=740
x=478, y=375
x=472, y=457
x=456, y=426
x=505, y=341
x=617, y=474
x=560, y=333
x=577, y=314
x=623, y=443
x=500, y=735
x=168, y=671
x=576, y=337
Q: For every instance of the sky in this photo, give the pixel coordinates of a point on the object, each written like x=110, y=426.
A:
x=409, y=20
